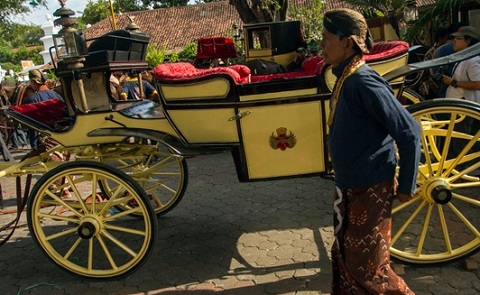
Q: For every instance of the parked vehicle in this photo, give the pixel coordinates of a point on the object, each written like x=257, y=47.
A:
x=274, y=125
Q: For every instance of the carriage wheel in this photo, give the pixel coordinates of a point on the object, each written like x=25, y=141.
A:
x=410, y=97
x=442, y=222
x=77, y=227
x=163, y=175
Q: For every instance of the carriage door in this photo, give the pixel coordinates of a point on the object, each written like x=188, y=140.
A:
x=281, y=137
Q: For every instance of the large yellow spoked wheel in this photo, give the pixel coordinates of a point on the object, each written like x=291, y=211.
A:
x=80, y=230
x=163, y=175
x=442, y=223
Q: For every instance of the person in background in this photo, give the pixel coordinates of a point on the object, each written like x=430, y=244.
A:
x=312, y=50
x=367, y=126
x=115, y=87
x=131, y=89
x=429, y=86
x=296, y=64
x=444, y=50
x=7, y=156
x=42, y=93
x=4, y=104
x=465, y=79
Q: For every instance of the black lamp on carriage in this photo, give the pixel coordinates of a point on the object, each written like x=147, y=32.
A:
x=70, y=45
x=410, y=11
x=74, y=46
x=236, y=32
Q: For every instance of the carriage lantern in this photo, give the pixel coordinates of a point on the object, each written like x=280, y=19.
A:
x=410, y=11
x=73, y=42
x=236, y=31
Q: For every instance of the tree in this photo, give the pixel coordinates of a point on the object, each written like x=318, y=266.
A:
x=97, y=11
x=149, y=4
x=311, y=18
x=10, y=8
x=19, y=34
x=259, y=11
x=432, y=14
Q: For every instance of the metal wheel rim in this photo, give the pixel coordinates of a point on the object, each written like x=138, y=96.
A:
x=160, y=173
x=62, y=227
x=426, y=231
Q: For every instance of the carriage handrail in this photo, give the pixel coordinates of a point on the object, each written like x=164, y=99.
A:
x=418, y=66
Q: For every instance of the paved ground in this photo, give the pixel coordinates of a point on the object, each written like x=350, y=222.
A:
x=225, y=237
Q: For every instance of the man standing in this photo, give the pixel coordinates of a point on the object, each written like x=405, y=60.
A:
x=367, y=123
x=42, y=93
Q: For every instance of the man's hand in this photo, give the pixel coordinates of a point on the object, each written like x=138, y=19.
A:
x=401, y=197
x=404, y=197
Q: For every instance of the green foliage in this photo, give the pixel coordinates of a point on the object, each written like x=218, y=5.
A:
x=11, y=8
x=8, y=65
x=172, y=57
x=51, y=75
x=165, y=3
x=18, y=34
x=433, y=14
x=95, y=12
x=311, y=19
x=189, y=52
x=377, y=8
x=154, y=56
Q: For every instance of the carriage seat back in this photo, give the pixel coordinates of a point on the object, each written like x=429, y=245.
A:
x=49, y=114
x=118, y=45
x=381, y=52
x=185, y=71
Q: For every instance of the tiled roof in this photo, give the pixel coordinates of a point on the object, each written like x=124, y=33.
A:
x=175, y=27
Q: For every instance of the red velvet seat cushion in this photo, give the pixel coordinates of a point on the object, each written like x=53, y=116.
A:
x=184, y=71
x=386, y=50
x=45, y=112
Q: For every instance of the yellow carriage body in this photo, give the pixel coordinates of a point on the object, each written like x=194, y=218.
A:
x=275, y=125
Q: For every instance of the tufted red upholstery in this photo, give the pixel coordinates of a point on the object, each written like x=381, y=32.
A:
x=184, y=71
x=240, y=73
x=45, y=112
x=386, y=50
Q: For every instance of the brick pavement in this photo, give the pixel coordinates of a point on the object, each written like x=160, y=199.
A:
x=225, y=237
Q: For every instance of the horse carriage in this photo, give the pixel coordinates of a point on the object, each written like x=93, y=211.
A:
x=96, y=215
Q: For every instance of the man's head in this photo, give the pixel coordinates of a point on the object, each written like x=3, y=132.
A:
x=37, y=77
x=465, y=36
x=345, y=32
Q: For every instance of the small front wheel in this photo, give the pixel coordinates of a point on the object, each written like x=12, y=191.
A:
x=79, y=228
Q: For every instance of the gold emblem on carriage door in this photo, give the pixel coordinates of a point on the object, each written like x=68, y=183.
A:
x=282, y=140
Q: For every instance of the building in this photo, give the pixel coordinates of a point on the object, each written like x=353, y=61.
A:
x=176, y=27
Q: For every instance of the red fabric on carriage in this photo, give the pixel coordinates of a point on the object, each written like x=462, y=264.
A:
x=215, y=47
x=314, y=65
x=45, y=112
x=386, y=50
x=184, y=71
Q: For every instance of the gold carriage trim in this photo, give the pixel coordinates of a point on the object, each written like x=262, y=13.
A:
x=282, y=141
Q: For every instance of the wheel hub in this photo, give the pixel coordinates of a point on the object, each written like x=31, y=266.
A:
x=437, y=190
x=88, y=228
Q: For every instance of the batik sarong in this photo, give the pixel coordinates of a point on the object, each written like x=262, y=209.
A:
x=360, y=254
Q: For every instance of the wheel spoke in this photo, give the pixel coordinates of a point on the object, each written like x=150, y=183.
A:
x=119, y=244
x=443, y=223
x=79, y=237
x=447, y=180
x=107, y=253
x=465, y=220
x=61, y=234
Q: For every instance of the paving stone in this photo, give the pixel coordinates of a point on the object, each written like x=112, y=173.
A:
x=226, y=238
